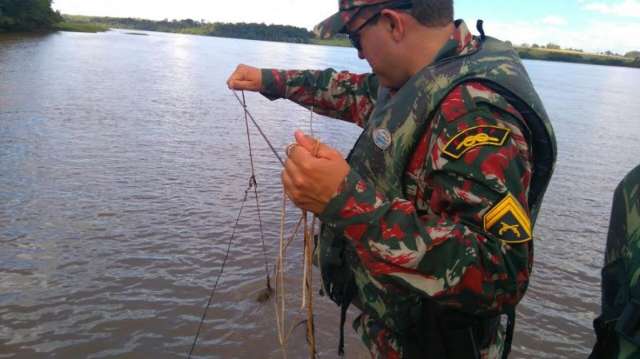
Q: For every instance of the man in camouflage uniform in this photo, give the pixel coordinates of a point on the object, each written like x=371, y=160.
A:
x=427, y=226
x=618, y=327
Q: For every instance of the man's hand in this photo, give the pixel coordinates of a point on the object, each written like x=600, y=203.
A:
x=245, y=78
x=311, y=181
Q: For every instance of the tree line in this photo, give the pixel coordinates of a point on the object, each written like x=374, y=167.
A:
x=37, y=15
x=27, y=15
x=34, y=15
x=554, y=52
x=552, y=46
x=251, y=31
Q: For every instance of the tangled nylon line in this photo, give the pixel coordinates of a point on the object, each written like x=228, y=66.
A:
x=307, y=285
x=307, y=291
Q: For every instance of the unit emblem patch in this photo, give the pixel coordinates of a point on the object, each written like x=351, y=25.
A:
x=382, y=138
x=508, y=221
x=475, y=137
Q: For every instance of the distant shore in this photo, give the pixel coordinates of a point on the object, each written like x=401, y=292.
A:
x=81, y=27
x=298, y=35
x=538, y=53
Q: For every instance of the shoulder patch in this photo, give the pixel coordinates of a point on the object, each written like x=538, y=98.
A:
x=508, y=221
x=475, y=137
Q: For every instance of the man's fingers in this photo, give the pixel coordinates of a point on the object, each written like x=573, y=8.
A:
x=235, y=76
x=310, y=182
x=240, y=85
x=314, y=147
x=303, y=140
x=245, y=78
x=288, y=184
x=297, y=155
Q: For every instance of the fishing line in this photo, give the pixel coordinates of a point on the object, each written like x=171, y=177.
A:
x=307, y=296
x=246, y=111
x=253, y=184
x=263, y=297
x=224, y=262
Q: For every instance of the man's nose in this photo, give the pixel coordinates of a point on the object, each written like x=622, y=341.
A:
x=360, y=55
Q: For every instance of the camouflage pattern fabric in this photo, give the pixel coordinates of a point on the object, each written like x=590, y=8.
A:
x=349, y=10
x=621, y=269
x=425, y=233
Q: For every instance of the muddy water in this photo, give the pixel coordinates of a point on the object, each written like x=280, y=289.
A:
x=123, y=162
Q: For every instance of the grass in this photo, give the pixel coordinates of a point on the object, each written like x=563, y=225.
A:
x=332, y=42
x=81, y=27
x=575, y=57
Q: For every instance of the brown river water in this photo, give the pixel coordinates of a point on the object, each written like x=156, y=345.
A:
x=123, y=163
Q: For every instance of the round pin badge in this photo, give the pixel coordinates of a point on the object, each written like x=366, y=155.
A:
x=382, y=138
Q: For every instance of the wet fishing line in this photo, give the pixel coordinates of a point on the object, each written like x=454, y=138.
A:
x=265, y=296
x=307, y=296
x=224, y=262
x=248, y=114
x=253, y=184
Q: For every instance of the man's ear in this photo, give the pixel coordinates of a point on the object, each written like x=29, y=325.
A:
x=396, y=23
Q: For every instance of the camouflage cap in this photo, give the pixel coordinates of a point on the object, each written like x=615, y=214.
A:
x=350, y=9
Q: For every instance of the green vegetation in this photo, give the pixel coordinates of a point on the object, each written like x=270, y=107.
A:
x=27, y=15
x=342, y=42
x=81, y=27
x=250, y=31
x=633, y=54
x=576, y=56
x=550, y=52
x=32, y=15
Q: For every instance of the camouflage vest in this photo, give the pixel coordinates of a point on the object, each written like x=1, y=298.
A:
x=406, y=115
x=617, y=328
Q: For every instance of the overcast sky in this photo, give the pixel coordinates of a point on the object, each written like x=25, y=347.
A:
x=594, y=25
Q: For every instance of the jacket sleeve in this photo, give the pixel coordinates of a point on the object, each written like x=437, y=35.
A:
x=436, y=243
x=342, y=95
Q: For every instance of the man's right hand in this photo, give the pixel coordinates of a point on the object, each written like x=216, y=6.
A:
x=245, y=78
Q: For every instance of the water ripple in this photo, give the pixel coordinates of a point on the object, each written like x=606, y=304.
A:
x=122, y=176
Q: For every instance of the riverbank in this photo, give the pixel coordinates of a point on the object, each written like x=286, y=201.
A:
x=81, y=27
x=576, y=57
x=537, y=54
x=298, y=35
x=250, y=31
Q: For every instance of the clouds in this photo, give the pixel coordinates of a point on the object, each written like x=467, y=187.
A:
x=596, y=36
x=592, y=25
x=302, y=13
x=626, y=8
x=554, y=21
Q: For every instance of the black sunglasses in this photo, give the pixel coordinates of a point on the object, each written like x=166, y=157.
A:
x=354, y=36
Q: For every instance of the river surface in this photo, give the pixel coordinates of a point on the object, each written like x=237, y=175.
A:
x=124, y=161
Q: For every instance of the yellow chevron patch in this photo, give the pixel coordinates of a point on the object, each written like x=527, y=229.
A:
x=508, y=221
x=475, y=137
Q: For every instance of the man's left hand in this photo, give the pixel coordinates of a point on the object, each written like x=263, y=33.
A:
x=311, y=181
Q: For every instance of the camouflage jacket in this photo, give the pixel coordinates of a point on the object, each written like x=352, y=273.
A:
x=620, y=275
x=428, y=238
